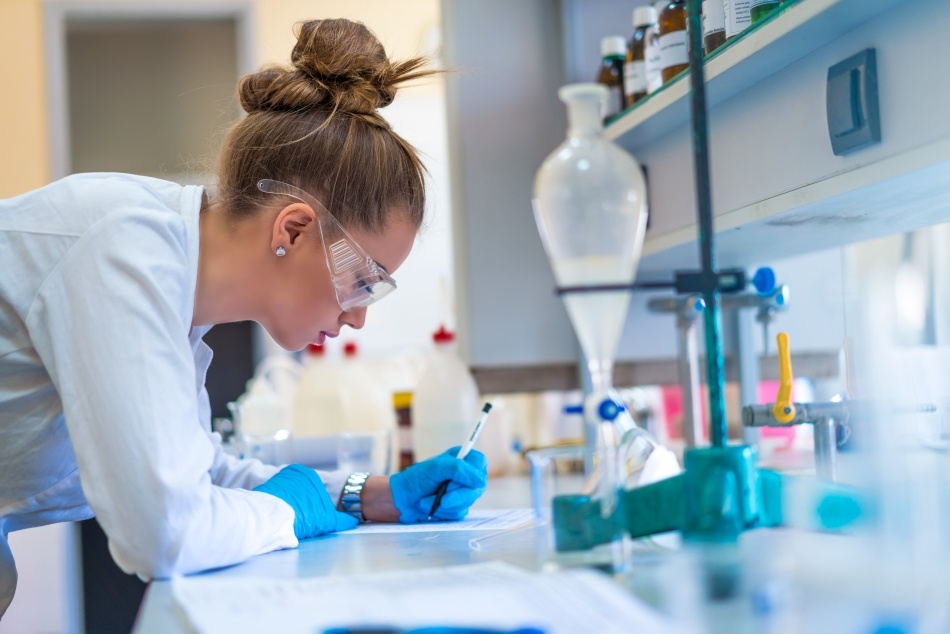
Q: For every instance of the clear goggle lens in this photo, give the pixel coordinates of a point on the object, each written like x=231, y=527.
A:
x=365, y=290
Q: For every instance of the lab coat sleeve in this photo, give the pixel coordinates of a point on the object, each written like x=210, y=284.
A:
x=109, y=325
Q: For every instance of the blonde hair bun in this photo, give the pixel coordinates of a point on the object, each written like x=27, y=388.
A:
x=337, y=65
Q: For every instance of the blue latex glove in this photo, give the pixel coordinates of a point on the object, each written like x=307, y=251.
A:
x=314, y=511
x=414, y=489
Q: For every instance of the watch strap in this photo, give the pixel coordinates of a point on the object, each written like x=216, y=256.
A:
x=350, y=498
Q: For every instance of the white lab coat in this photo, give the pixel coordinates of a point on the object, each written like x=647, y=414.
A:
x=103, y=409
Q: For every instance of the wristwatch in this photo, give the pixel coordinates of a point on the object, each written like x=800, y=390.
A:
x=350, y=499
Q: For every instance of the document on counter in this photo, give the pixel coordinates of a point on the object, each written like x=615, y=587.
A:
x=491, y=595
x=483, y=520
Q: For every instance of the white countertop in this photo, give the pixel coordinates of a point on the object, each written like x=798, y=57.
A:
x=341, y=554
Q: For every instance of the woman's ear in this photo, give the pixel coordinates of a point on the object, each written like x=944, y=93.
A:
x=289, y=225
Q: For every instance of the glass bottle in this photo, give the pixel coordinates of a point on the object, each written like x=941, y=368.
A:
x=760, y=9
x=613, y=53
x=714, y=25
x=738, y=17
x=651, y=54
x=635, y=70
x=674, y=56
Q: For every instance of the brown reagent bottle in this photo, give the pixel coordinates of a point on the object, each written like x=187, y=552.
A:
x=674, y=56
x=635, y=70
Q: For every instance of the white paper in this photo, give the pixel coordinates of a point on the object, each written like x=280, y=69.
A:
x=475, y=521
x=487, y=595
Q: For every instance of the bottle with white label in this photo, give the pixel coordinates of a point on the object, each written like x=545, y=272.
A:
x=738, y=17
x=651, y=54
x=714, y=25
x=635, y=70
x=674, y=55
x=613, y=53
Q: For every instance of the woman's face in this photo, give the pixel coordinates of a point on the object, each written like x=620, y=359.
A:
x=304, y=307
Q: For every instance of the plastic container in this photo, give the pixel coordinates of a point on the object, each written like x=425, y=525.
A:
x=262, y=418
x=446, y=401
x=365, y=402
x=317, y=410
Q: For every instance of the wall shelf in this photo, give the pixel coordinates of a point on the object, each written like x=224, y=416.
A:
x=903, y=193
x=781, y=40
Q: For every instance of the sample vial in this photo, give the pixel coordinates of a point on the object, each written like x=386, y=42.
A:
x=613, y=52
x=402, y=404
x=738, y=17
x=714, y=25
x=759, y=9
x=674, y=56
x=635, y=70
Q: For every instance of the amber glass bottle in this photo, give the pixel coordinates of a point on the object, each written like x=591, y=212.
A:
x=714, y=25
x=674, y=56
x=613, y=53
x=635, y=69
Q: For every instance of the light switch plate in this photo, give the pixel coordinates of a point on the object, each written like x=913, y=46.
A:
x=854, y=120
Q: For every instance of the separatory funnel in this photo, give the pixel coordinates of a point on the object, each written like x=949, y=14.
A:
x=591, y=211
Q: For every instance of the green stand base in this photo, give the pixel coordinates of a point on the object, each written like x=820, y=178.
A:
x=720, y=494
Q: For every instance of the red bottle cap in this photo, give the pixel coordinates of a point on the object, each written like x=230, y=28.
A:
x=442, y=335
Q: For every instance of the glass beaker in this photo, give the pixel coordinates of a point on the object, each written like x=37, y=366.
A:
x=573, y=470
x=368, y=452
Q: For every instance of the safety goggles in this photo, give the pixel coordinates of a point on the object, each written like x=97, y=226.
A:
x=359, y=281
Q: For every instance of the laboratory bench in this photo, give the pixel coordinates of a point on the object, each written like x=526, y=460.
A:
x=791, y=580
x=339, y=554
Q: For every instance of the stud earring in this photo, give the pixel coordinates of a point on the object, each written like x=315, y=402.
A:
x=280, y=252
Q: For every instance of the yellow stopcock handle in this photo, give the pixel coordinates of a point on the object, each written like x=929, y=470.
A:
x=784, y=409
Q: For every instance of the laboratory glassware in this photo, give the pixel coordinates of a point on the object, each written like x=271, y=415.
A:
x=591, y=210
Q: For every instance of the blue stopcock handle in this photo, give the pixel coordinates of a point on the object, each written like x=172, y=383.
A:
x=764, y=280
x=609, y=409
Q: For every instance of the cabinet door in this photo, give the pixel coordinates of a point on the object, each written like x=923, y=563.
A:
x=504, y=118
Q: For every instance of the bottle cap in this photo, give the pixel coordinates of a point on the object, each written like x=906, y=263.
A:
x=402, y=400
x=644, y=16
x=315, y=349
x=613, y=45
x=350, y=349
x=443, y=335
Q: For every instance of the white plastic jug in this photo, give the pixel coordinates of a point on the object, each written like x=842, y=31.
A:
x=317, y=408
x=262, y=417
x=363, y=397
x=446, y=402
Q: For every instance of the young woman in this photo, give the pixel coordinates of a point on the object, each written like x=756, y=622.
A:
x=110, y=281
